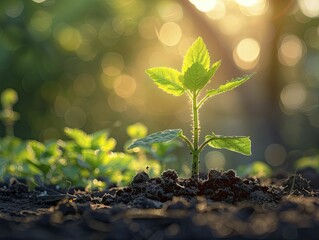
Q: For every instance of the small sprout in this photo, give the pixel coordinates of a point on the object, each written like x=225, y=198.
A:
x=196, y=73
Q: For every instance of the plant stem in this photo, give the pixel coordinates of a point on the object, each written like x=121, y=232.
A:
x=195, y=164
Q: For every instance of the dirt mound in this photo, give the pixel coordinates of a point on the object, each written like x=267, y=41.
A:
x=221, y=206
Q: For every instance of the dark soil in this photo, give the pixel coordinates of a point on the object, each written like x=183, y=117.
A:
x=223, y=206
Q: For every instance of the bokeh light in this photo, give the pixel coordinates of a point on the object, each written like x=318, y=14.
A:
x=170, y=33
x=204, y=5
x=218, y=12
x=291, y=50
x=246, y=53
x=41, y=21
x=293, y=96
x=275, y=155
x=254, y=7
x=68, y=37
x=112, y=64
x=310, y=8
x=124, y=86
x=14, y=9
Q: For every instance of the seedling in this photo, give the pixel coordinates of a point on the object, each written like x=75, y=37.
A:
x=196, y=73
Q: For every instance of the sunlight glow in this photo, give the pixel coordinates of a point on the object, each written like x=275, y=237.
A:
x=310, y=8
x=204, y=5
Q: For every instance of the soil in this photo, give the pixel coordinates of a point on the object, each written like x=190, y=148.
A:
x=222, y=206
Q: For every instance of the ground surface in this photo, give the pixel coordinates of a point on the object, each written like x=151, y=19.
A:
x=222, y=206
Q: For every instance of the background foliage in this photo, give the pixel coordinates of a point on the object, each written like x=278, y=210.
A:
x=80, y=64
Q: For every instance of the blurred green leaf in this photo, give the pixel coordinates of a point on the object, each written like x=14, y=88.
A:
x=80, y=137
x=163, y=136
x=137, y=130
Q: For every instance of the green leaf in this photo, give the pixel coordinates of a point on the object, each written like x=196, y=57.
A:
x=81, y=138
x=197, y=53
x=240, y=144
x=167, y=79
x=196, y=77
x=230, y=85
x=214, y=69
x=163, y=136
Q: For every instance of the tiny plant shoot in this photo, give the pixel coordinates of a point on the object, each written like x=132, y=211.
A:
x=195, y=74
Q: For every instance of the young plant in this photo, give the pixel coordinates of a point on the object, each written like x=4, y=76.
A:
x=196, y=73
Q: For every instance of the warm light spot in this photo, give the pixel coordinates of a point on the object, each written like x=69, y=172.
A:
x=68, y=37
x=204, y=5
x=41, y=21
x=124, y=86
x=293, y=96
x=170, y=11
x=218, y=11
x=246, y=53
x=84, y=85
x=38, y=1
x=215, y=159
x=170, y=34
x=290, y=50
x=112, y=64
x=309, y=8
x=275, y=155
x=259, y=7
x=247, y=3
x=230, y=24
x=75, y=117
